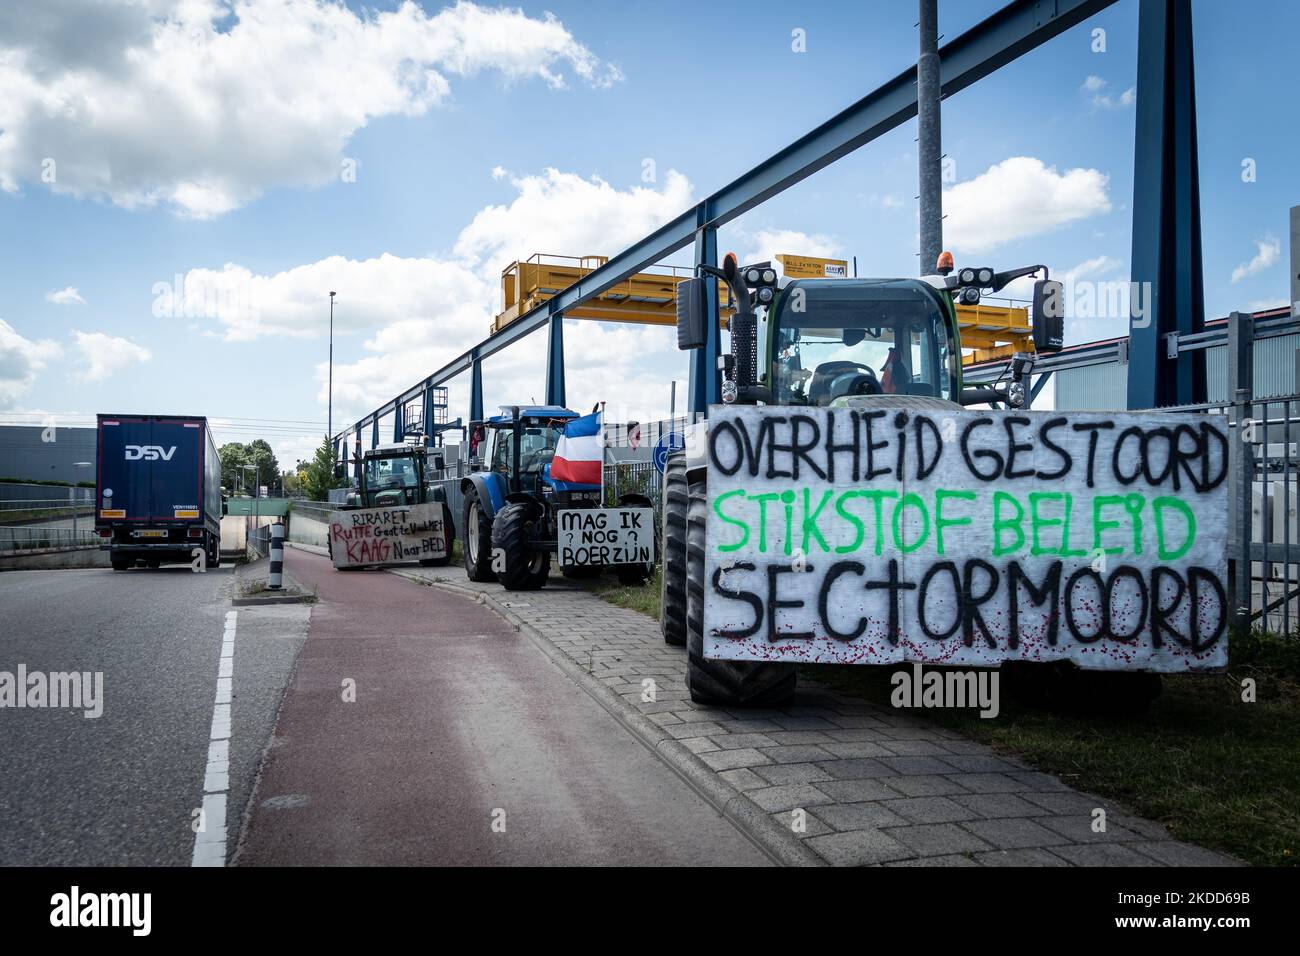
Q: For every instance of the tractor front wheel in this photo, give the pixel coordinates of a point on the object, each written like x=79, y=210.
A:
x=722, y=683
x=478, y=539
x=524, y=568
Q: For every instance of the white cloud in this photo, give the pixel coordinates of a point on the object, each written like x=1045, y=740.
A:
x=563, y=213
x=246, y=94
x=105, y=355
x=768, y=243
x=413, y=315
x=68, y=296
x=1018, y=198
x=1267, y=252
x=1095, y=86
x=20, y=360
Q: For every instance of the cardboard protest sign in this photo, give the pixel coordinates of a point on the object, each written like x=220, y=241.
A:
x=603, y=536
x=388, y=535
x=877, y=535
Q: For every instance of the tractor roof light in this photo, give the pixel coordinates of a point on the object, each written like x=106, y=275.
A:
x=967, y=276
x=769, y=277
x=944, y=265
x=985, y=276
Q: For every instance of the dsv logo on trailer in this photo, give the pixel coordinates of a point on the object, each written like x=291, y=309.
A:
x=149, y=452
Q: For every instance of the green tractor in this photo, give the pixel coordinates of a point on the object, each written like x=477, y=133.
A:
x=832, y=342
x=399, y=474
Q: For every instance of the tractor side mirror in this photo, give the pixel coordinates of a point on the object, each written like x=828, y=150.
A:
x=439, y=463
x=691, y=309
x=1049, y=316
x=340, y=471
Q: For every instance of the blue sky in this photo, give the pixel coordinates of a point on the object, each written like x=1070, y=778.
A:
x=224, y=157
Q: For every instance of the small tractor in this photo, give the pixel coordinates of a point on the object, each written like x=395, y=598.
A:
x=516, y=513
x=832, y=342
x=401, y=474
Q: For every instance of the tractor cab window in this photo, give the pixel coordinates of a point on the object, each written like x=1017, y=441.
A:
x=384, y=473
x=536, y=448
x=846, y=339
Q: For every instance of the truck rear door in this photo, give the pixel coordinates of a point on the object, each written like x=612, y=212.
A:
x=153, y=469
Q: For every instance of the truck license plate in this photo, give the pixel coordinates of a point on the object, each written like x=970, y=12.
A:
x=151, y=534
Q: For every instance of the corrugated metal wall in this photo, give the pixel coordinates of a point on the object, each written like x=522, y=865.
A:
x=1105, y=387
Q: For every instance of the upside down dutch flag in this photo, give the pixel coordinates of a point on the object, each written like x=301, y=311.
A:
x=579, y=453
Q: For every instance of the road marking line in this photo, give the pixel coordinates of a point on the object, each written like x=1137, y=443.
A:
x=210, y=842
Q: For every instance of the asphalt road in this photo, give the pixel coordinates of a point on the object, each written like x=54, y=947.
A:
x=121, y=788
x=458, y=723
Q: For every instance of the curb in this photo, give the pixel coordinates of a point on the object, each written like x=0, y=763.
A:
x=780, y=845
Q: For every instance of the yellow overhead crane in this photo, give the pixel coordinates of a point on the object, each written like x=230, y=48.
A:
x=987, y=331
x=647, y=297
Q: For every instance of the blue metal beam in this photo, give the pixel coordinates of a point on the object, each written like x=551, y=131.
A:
x=706, y=381
x=1009, y=33
x=555, y=362
x=476, y=390
x=1166, y=213
x=429, y=431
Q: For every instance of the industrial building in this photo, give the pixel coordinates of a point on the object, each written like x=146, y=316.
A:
x=41, y=453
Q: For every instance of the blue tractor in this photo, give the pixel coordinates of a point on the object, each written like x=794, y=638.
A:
x=517, y=516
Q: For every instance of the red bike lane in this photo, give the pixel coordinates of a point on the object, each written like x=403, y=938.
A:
x=463, y=744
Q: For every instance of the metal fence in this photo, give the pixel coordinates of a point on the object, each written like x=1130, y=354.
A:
x=39, y=537
x=1264, y=492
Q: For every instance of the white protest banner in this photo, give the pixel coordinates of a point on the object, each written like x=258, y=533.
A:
x=873, y=536
x=604, y=536
x=388, y=535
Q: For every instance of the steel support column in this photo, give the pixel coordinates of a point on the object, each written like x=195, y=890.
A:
x=555, y=361
x=399, y=411
x=1166, y=213
x=430, y=435
x=929, y=149
x=705, y=384
x=374, y=432
x=476, y=390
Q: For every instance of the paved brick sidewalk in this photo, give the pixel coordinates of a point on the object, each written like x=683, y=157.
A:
x=878, y=786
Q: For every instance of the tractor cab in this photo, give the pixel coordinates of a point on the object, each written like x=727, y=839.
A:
x=838, y=341
x=830, y=340
x=513, y=450
x=396, y=474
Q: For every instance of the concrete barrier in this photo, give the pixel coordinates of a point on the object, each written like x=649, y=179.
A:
x=51, y=559
x=309, y=523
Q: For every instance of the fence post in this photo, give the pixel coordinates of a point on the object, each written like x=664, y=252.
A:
x=1241, y=464
x=276, y=576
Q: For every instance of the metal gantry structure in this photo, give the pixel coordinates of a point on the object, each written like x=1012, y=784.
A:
x=1166, y=253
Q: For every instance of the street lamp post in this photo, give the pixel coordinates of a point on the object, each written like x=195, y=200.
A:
x=330, y=426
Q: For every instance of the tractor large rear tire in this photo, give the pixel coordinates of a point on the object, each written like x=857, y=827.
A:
x=477, y=546
x=722, y=683
x=525, y=569
x=672, y=591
